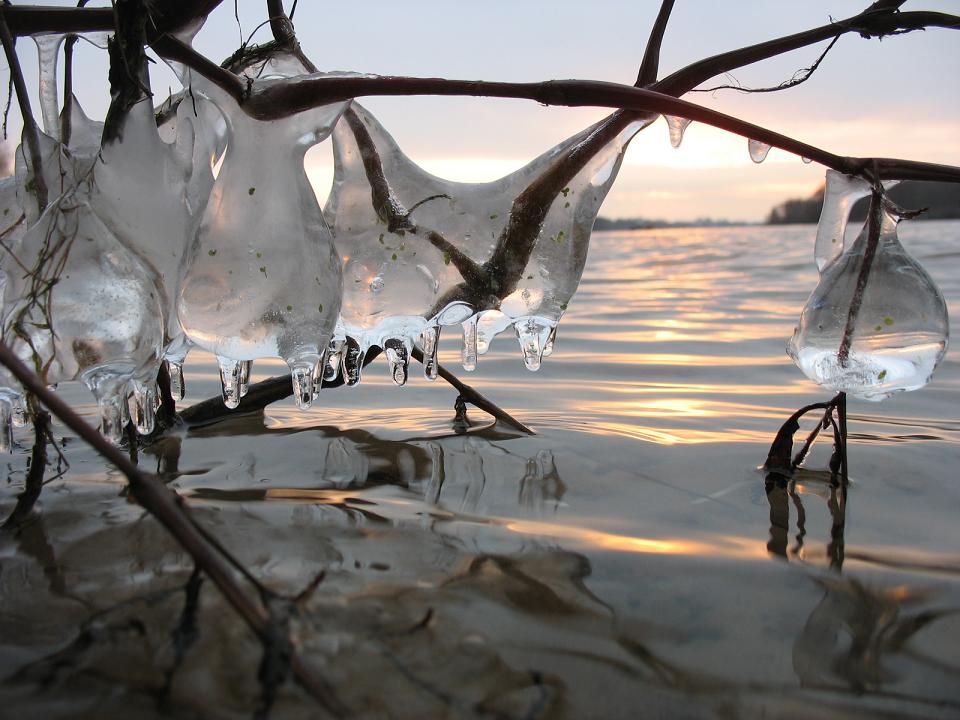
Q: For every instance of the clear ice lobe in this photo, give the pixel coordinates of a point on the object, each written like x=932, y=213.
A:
x=839, y=194
x=415, y=245
x=758, y=150
x=901, y=327
x=262, y=277
x=430, y=345
x=88, y=308
x=677, y=127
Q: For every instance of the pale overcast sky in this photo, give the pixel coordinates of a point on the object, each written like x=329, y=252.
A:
x=895, y=98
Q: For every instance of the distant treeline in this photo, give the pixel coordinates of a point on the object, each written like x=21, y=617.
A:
x=941, y=199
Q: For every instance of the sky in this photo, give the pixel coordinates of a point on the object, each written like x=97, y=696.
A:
x=894, y=98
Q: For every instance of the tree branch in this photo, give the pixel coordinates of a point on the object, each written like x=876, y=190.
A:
x=651, y=56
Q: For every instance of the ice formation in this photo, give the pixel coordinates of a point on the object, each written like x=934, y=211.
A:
x=677, y=127
x=758, y=150
x=262, y=278
x=421, y=252
x=897, y=318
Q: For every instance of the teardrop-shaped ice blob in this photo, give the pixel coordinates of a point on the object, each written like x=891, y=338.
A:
x=231, y=381
x=677, y=126
x=533, y=335
x=898, y=328
x=758, y=150
x=84, y=308
x=262, y=276
x=398, y=357
x=48, y=48
x=301, y=375
x=839, y=194
x=422, y=248
x=489, y=324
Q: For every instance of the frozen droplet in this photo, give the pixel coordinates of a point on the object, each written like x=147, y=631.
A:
x=398, y=358
x=758, y=150
x=178, y=387
x=353, y=354
x=429, y=346
x=376, y=285
x=246, y=367
x=806, y=160
x=301, y=375
x=231, y=372
x=113, y=416
x=334, y=359
x=548, y=347
x=677, y=126
x=533, y=335
x=144, y=406
x=468, y=353
x=489, y=325
x=876, y=323
x=48, y=48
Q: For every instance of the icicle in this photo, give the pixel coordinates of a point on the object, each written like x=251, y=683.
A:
x=839, y=194
x=758, y=150
x=429, y=346
x=301, y=374
x=397, y=359
x=876, y=323
x=677, y=126
x=246, y=367
x=533, y=336
x=113, y=417
x=144, y=399
x=48, y=48
x=468, y=353
x=231, y=374
x=353, y=355
x=806, y=160
x=6, y=422
x=551, y=339
x=489, y=325
x=334, y=360
x=177, y=385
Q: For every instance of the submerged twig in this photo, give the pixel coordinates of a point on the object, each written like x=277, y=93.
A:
x=172, y=512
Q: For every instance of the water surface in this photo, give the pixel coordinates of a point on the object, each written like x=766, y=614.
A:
x=626, y=561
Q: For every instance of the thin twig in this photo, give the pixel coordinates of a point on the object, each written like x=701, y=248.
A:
x=873, y=239
x=651, y=56
x=799, y=77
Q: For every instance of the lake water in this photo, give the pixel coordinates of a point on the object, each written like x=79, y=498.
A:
x=626, y=561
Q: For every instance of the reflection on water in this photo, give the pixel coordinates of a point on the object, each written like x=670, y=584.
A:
x=628, y=556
